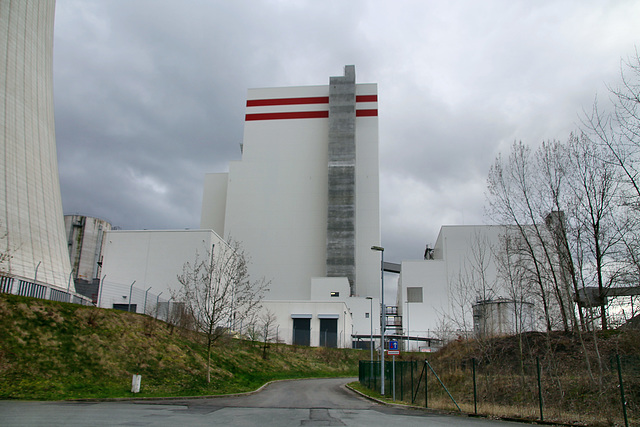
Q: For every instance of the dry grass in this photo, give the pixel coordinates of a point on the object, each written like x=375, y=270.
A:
x=507, y=382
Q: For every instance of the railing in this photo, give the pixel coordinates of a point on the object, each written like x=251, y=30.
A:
x=12, y=285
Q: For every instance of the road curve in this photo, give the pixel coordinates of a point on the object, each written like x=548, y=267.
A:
x=318, y=402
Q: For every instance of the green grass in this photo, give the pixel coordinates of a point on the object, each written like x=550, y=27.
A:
x=54, y=351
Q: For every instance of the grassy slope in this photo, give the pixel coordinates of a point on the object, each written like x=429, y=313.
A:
x=51, y=350
x=507, y=381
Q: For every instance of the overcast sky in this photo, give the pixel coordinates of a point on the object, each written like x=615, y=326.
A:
x=150, y=94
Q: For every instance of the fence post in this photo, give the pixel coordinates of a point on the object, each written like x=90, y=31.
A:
x=426, y=388
x=539, y=388
x=624, y=401
x=412, y=363
x=394, y=377
x=402, y=380
x=475, y=393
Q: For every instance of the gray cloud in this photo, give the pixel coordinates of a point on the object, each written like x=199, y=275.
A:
x=149, y=95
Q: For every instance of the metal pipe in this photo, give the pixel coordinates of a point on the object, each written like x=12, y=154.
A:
x=371, y=330
x=383, y=316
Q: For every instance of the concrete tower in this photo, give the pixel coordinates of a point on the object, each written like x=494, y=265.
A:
x=31, y=220
x=303, y=201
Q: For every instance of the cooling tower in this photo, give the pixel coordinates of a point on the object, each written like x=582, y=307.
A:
x=31, y=219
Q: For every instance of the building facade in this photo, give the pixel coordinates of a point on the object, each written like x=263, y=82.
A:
x=140, y=267
x=85, y=239
x=35, y=258
x=304, y=199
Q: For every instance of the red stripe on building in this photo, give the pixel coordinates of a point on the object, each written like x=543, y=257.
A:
x=288, y=115
x=366, y=113
x=287, y=101
x=367, y=98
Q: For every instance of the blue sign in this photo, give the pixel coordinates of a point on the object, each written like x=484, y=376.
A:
x=393, y=345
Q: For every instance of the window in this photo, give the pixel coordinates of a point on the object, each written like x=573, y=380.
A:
x=335, y=294
x=414, y=294
x=366, y=315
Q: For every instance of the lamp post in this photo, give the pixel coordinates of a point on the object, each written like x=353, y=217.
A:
x=383, y=319
x=371, y=339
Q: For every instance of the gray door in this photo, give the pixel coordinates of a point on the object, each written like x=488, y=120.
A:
x=302, y=331
x=328, y=332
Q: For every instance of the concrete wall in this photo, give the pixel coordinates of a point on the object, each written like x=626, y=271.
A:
x=423, y=319
x=31, y=218
x=214, y=202
x=360, y=307
x=151, y=259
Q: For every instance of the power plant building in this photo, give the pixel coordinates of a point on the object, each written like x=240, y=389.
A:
x=304, y=199
x=35, y=259
x=85, y=239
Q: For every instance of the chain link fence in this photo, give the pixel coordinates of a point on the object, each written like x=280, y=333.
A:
x=12, y=285
x=537, y=388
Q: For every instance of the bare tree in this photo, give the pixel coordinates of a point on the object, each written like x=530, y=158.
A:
x=510, y=195
x=268, y=322
x=595, y=186
x=218, y=288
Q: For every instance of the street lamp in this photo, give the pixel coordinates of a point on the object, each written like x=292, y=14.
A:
x=383, y=319
x=371, y=341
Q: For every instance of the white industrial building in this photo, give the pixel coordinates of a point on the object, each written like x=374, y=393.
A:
x=437, y=295
x=304, y=203
x=139, y=266
x=33, y=248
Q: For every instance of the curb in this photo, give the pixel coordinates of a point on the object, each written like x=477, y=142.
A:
x=163, y=398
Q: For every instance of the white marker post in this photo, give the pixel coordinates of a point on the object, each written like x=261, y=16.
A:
x=135, y=383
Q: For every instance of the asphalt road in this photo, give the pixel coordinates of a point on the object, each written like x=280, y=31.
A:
x=322, y=402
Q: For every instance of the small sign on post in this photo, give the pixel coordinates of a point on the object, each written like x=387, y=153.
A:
x=135, y=383
x=393, y=348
